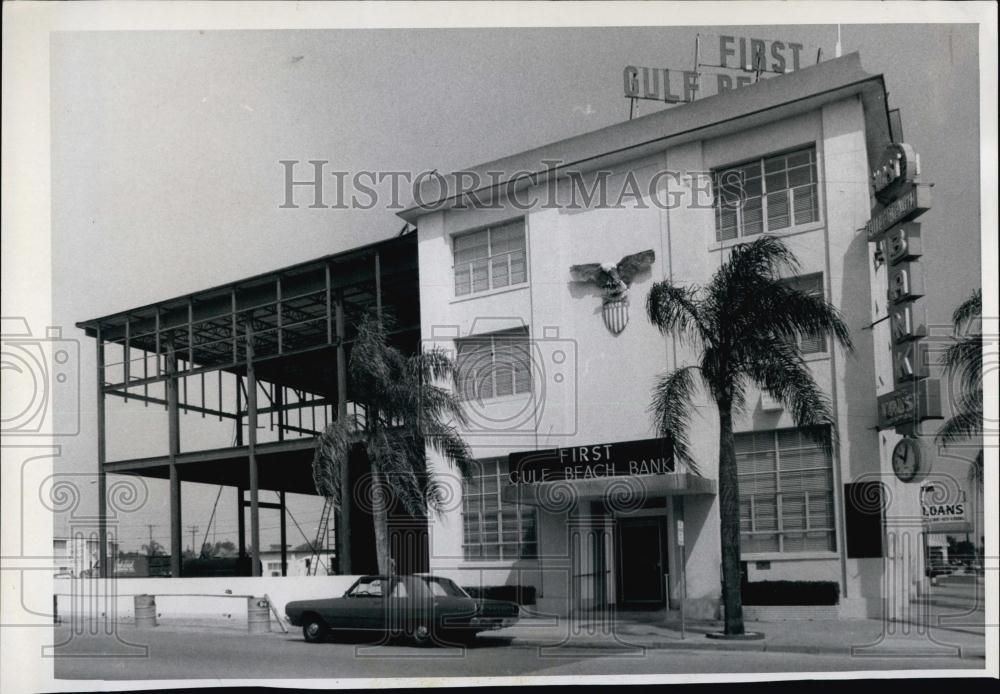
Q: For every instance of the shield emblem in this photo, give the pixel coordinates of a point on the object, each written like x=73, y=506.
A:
x=616, y=315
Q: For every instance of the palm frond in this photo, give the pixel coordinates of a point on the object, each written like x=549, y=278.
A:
x=674, y=309
x=671, y=410
x=783, y=310
x=964, y=424
x=765, y=257
x=776, y=367
x=968, y=310
x=964, y=358
x=333, y=448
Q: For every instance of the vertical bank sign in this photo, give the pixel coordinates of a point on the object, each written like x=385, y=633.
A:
x=901, y=199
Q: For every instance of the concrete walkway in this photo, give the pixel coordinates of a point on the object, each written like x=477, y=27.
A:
x=858, y=638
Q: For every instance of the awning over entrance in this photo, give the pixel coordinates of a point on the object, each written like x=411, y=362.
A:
x=629, y=491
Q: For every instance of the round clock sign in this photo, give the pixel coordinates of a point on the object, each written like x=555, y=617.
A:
x=907, y=462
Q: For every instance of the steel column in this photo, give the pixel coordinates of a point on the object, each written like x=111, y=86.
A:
x=241, y=523
x=252, y=445
x=173, y=428
x=343, y=521
x=102, y=477
x=284, y=543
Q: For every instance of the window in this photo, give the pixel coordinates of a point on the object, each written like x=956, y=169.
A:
x=494, y=365
x=813, y=285
x=786, y=492
x=493, y=529
x=490, y=259
x=767, y=194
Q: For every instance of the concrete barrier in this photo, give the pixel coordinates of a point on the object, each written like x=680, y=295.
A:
x=215, y=599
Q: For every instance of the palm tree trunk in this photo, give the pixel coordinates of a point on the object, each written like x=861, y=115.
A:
x=729, y=514
x=380, y=519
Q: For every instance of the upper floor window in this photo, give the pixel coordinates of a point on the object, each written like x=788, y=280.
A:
x=494, y=365
x=810, y=284
x=766, y=195
x=490, y=258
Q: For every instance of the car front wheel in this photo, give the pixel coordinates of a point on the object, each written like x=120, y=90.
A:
x=313, y=629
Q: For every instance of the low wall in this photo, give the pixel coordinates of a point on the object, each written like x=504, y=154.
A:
x=203, y=598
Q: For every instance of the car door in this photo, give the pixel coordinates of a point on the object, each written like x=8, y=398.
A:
x=362, y=607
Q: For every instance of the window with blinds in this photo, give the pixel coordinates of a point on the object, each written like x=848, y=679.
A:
x=491, y=258
x=813, y=285
x=786, y=492
x=770, y=194
x=494, y=365
x=493, y=529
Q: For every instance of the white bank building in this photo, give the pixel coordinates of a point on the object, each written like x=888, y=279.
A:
x=575, y=500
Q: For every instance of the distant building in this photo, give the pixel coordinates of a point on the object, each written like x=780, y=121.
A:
x=78, y=556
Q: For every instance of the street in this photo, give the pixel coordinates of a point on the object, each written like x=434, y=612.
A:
x=184, y=653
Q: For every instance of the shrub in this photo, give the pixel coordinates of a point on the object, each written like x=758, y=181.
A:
x=791, y=593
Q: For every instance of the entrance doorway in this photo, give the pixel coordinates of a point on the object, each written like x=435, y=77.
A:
x=642, y=560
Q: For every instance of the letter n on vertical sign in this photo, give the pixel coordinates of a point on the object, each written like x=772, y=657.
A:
x=864, y=509
x=909, y=321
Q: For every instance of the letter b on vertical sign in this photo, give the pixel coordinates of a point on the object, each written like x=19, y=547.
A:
x=903, y=243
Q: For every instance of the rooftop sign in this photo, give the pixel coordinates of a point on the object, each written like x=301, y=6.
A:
x=736, y=61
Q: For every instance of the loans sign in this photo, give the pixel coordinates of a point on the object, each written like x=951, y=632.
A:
x=944, y=513
x=603, y=460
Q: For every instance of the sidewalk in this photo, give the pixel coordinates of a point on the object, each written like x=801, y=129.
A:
x=858, y=638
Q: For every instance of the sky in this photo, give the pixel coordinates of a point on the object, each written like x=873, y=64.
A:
x=166, y=148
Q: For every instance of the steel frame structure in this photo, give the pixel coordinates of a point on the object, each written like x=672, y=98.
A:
x=286, y=334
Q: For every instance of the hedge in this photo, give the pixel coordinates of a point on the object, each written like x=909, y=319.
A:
x=791, y=593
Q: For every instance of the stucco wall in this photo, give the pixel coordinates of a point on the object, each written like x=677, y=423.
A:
x=603, y=390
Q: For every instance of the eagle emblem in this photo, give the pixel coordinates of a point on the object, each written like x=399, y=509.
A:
x=615, y=280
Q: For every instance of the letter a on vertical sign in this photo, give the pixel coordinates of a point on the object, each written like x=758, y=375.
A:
x=905, y=282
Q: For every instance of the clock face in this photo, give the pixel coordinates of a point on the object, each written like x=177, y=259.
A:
x=906, y=460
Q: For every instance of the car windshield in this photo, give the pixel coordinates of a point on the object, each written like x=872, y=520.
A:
x=444, y=587
x=367, y=588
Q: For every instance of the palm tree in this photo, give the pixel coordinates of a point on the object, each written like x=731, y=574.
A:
x=744, y=326
x=153, y=549
x=964, y=359
x=404, y=410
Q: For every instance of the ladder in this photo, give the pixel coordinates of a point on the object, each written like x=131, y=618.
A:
x=321, y=531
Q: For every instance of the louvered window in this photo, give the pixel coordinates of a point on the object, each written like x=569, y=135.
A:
x=494, y=529
x=490, y=259
x=771, y=194
x=786, y=492
x=494, y=365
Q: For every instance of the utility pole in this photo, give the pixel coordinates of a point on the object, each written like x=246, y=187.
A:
x=149, y=547
x=194, y=531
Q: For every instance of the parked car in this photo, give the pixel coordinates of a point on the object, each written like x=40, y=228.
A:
x=420, y=606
